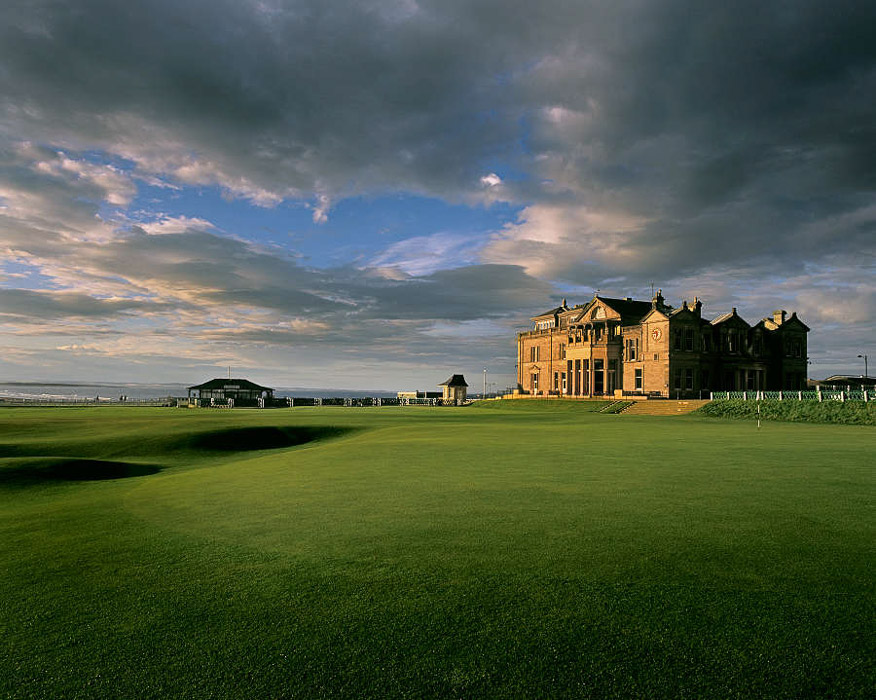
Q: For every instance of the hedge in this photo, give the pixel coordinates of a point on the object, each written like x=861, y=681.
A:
x=845, y=412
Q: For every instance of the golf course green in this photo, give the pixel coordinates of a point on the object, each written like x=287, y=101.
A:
x=510, y=549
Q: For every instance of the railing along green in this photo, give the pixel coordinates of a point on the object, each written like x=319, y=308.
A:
x=809, y=395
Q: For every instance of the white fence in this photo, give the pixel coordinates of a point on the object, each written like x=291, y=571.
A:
x=817, y=395
x=298, y=402
x=75, y=401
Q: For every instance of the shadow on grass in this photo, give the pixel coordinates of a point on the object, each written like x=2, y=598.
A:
x=41, y=471
x=25, y=470
x=260, y=438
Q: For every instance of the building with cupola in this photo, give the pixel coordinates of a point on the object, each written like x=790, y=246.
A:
x=626, y=347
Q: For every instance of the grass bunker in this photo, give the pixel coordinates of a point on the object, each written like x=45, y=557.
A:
x=260, y=438
x=42, y=470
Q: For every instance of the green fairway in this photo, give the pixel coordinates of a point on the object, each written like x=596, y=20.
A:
x=513, y=549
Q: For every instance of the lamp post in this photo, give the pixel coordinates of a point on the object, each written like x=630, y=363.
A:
x=484, y=395
x=866, y=374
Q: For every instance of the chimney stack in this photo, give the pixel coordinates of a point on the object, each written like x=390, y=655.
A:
x=779, y=316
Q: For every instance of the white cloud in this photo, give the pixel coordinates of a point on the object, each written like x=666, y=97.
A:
x=555, y=241
x=115, y=186
x=321, y=208
x=491, y=180
x=205, y=172
x=422, y=255
x=164, y=225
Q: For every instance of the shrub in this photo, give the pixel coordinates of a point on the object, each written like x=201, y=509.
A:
x=845, y=412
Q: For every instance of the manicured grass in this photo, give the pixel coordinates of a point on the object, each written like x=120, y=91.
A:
x=513, y=549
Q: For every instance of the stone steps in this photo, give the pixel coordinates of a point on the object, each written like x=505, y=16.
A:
x=663, y=408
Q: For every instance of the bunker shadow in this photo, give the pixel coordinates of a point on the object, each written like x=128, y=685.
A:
x=30, y=468
x=260, y=438
x=66, y=469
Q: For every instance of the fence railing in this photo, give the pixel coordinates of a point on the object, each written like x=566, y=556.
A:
x=808, y=395
x=75, y=401
x=303, y=401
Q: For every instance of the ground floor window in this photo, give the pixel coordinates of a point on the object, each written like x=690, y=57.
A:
x=688, y=379
x=750, y=380
x=794, y=380
x=534, y=378
x=638, y=380
x=598, y=376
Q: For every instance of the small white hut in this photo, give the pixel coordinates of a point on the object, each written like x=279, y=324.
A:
x=454, y=389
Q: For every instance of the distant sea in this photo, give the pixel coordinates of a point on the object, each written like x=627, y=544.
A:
x=67, y=391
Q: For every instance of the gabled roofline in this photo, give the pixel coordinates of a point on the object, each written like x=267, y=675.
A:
x=730, y=316
x=619, y=306
x=794, y=319
x=584, y=309
x=648, y=315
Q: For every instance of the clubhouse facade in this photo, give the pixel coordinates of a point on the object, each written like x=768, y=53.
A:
x=624, y=347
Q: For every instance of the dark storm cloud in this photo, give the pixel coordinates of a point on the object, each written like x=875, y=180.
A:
x=463, y=294
x=212, y=271
x=46, y=306
x=306, y=96
x=732, y=129
x=752, y=117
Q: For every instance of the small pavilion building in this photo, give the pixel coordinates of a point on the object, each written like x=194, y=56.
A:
x=240, y=390
x=455, y=388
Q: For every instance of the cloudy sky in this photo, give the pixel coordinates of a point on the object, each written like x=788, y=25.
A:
x=378, y=193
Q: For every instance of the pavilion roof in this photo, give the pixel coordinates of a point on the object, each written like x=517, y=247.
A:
x=215, y=384
x=455, y=380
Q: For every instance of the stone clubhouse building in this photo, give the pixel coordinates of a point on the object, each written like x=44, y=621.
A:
x=624, y=347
